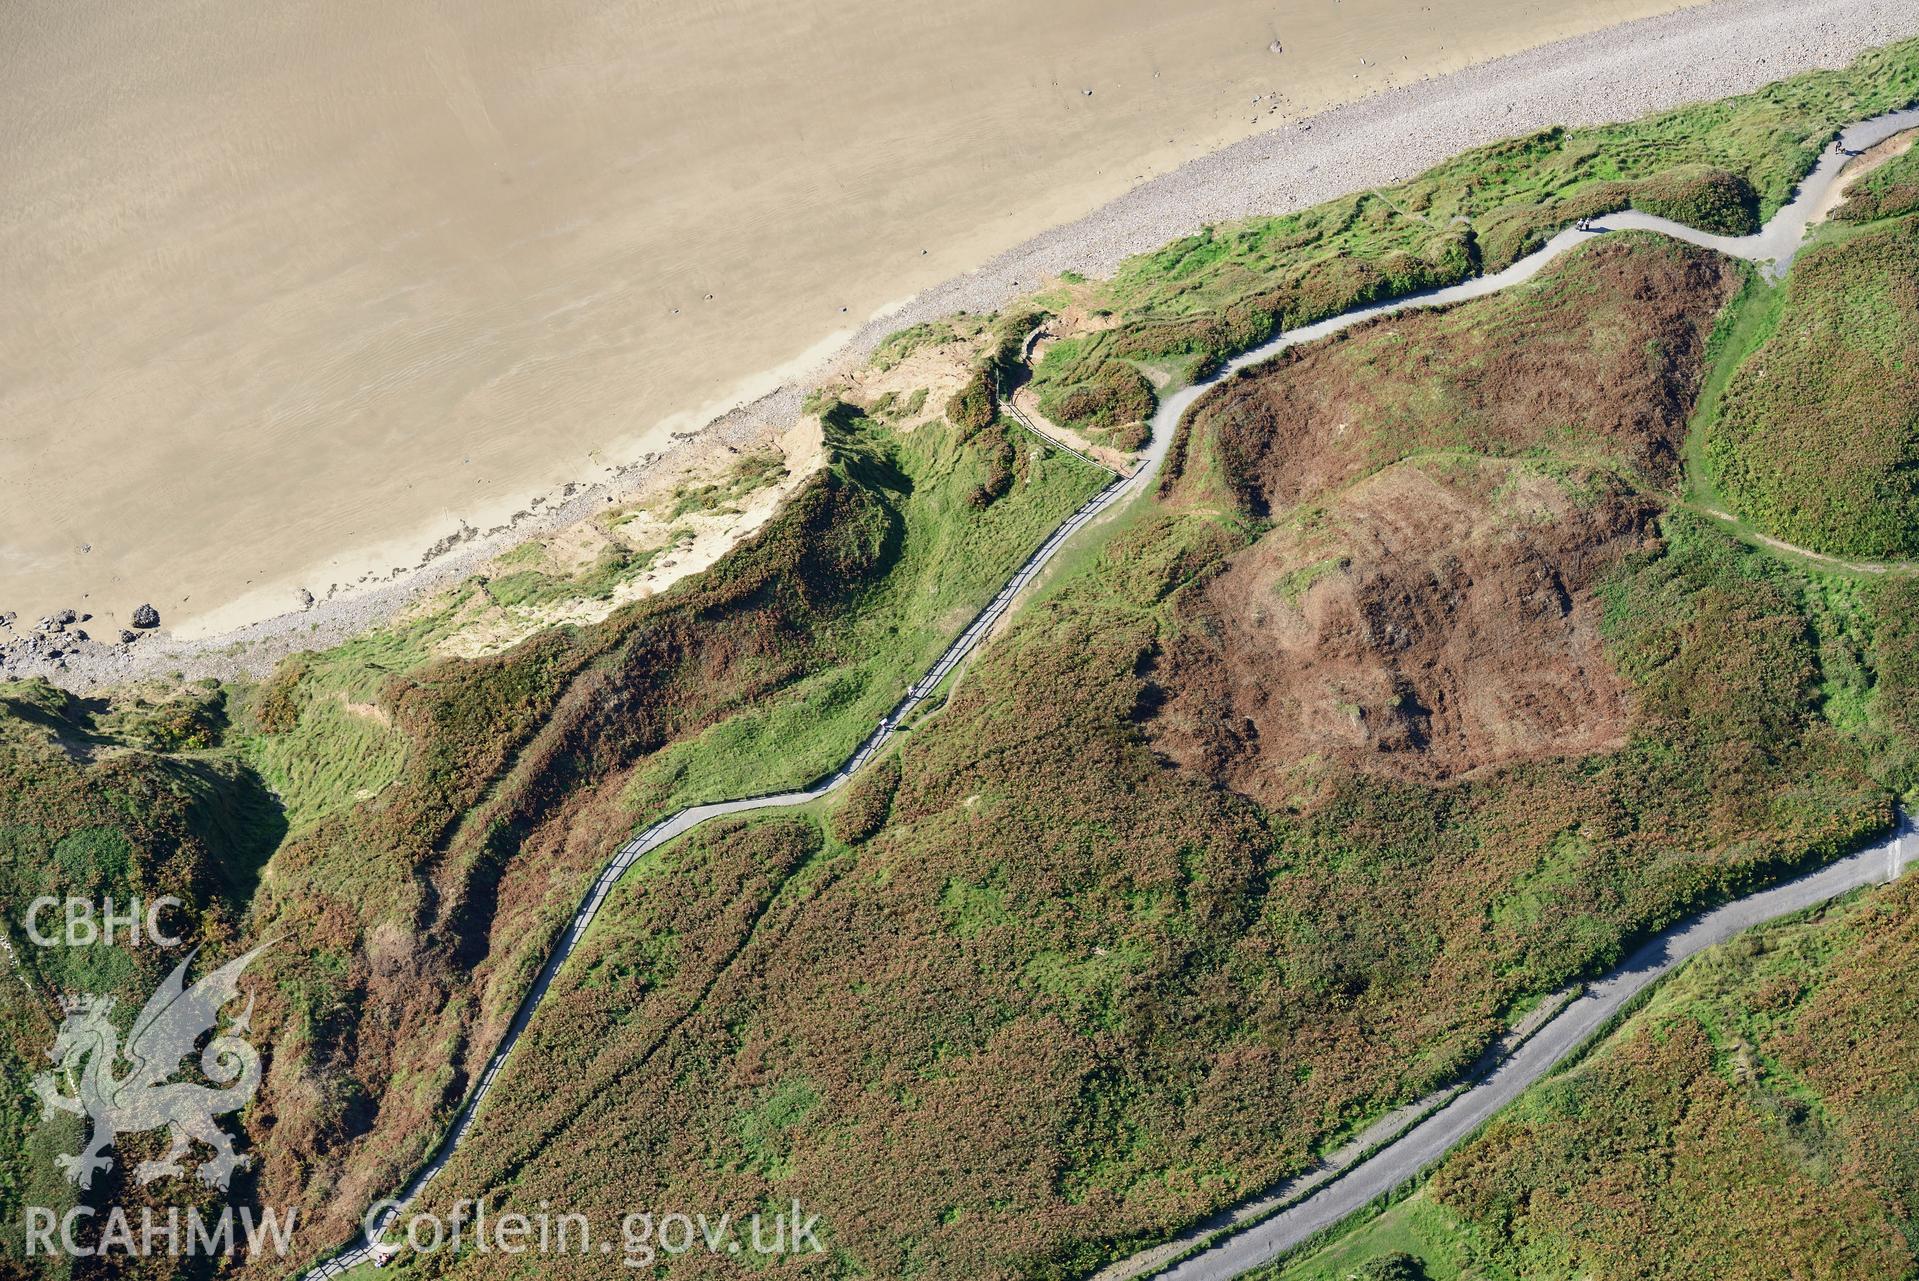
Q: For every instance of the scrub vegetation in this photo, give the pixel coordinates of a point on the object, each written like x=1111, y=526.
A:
x=1817, y=439
x=1108, y=401
x=1751, y=1120
x=1723, y=166
x=1887, y=192
x=1081, y=986
x=431, y=822
x=1109, y=942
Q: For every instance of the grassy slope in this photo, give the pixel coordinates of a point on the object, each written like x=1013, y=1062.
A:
x=1887, y=192
x=1742, y=327
x=1107, y=400
x=1746, y=1125
x=1066, y=998
x=1719, y=166
x=436, y=845
x=437, y=818
x=1748, y=1121
x=1814, y=438
x=190, y=823
x=1790, y=1052
x=1065, y=994
x=951, y=559
x=1512, y=195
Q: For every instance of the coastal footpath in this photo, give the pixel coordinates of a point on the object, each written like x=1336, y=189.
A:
x=1773, y=249
x=1688, y=56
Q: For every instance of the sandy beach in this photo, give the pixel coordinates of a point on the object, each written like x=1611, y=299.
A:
x=233, y=458
x=298, y=292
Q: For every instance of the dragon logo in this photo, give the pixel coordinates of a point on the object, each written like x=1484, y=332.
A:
x=144, y=1097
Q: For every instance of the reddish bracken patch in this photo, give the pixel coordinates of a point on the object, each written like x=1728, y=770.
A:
x=1599, y=358
x=1438, y=619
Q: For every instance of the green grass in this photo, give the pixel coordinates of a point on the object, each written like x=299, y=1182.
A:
x=897, y=346
x=1744, y=325
x=1082, y=390
x=1722, y=166
x=951, y=559
x=765, y=1129
x=1812, y=440
x=1413, y=1226
x=1887, y=192
x=334, y=759
x=319, y=730
x=90, y=809
x=1743, y=329
x=1293, y=586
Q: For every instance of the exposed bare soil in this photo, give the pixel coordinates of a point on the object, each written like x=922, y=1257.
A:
x=1425, y=606
x=1438, y=619
x=1861, y=167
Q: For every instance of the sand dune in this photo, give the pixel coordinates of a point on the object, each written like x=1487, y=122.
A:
x=294, y=291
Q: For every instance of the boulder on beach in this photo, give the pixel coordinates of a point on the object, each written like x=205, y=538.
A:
x=146, y=616
x=127, y=637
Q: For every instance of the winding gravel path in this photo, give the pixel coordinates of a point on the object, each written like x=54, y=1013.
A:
x=1775, y=245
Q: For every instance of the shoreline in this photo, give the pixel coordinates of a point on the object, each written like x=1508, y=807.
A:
x=1693, y=54
x=1569, y=1009
x=427, y=265
x=619, y=468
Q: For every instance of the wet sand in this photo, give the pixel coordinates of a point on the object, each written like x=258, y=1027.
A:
x=297, y=293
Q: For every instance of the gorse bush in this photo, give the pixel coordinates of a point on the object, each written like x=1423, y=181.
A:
x=1702, y=197
x=1117, y=394
x=976, y=403
x=1391, y=1267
